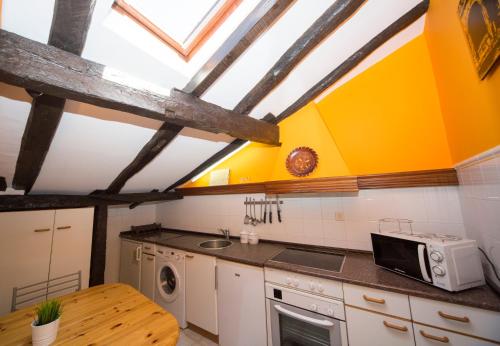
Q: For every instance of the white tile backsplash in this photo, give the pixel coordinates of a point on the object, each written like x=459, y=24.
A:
x=311, y=219
x=480, y=203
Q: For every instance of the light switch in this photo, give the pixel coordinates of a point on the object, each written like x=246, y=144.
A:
x=339, y=216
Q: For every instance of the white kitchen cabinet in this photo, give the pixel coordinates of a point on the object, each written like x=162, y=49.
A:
x=28, y=238
x=369, y=328
x=148, y=275
x=72, y=244
x=427, y=336
x=201, y=294
x=130, y=263
x=241, y=304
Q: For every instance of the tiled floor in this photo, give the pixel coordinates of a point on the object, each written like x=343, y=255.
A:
x=190, y=338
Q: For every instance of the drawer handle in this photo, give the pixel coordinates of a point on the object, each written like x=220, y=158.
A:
x=147, y=248
x=64, y=227
x=189, y=256
x=40, y=230
x=373, y=300
x=159, y=251
x=394, y=326
x=464, y=319
x=150, y=258
x=442, y=339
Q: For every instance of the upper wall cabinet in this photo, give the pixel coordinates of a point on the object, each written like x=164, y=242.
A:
x=28, y=238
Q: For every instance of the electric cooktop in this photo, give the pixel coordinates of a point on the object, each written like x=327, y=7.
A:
x=318, y=259
x=163, y=236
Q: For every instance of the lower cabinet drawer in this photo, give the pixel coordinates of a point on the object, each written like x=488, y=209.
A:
x=462, y=319
x=427, y=336
x=368, y=328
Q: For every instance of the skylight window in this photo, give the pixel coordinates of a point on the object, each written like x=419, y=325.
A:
x=183, y=25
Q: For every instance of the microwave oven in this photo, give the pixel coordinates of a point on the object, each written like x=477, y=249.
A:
x=447, y=262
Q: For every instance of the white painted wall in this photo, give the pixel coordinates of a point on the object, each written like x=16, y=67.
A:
x=121, y=218
x=311, y=219
x=480, y=199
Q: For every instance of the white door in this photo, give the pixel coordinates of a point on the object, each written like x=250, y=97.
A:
x=72, y=244
x=26, y=238
x=148, y=276
x=130, y=263
x=201, y=294
x=241, y=304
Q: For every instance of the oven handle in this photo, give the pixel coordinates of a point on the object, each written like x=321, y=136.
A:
x=321, y=323
x=421, y=262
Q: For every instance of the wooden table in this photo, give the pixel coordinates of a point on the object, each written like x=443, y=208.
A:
x=102, y=315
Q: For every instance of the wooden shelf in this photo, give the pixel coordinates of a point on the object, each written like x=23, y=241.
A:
x=437, y=177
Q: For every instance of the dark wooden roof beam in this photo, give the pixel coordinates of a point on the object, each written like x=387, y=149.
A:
x=30, y=64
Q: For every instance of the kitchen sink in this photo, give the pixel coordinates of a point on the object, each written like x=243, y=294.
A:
x=215, y=244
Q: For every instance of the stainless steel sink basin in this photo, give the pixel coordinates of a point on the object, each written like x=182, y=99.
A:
x=215, y=244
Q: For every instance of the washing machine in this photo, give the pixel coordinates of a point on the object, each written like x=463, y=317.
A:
x=171, y=282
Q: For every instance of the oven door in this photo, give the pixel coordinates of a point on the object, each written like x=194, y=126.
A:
x=293, y=326
x=401, y=255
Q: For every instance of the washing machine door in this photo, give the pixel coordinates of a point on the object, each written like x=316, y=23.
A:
x=168, y=282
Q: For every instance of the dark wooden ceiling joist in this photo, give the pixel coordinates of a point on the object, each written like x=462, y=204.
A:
x=351, y=62
x=30, y=64
x=165, y=134
x=329, y=21
x=256, y=23
x=259, y=20
x=70, y=24
x=29, y=202
x=334, y=76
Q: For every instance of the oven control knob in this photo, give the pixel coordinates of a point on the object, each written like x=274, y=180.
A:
x=438, y=270
x=436, y=256
x=312, y=286
x=314, y=307
x=296, y=282
x=288, y=280
x=320, y=288
x=329, y=312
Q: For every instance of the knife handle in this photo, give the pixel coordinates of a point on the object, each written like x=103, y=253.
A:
x=265, y=213
x=271, y=216
x=279, y=215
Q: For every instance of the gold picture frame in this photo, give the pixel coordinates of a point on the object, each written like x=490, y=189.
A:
x=481, y=23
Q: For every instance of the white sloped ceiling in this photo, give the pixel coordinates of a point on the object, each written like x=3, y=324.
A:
x=93, y=145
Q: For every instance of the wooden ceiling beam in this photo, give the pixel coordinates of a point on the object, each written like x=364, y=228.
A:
x=351, y=62
x=165, y=134
x=334, y=76
x=254, y=25
x=259, y=20
x=29, y=202
x=70, y=24
x=329, y=21
x=30, y=64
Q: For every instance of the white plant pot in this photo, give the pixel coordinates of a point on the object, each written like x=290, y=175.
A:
x=44, y=335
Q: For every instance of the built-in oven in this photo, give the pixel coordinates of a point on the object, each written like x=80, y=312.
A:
x=299, y=318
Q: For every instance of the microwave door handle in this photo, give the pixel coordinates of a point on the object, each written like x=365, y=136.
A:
x=320, y=323
x=421, y=262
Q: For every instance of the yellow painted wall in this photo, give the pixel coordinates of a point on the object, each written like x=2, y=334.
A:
x=258, y=162
x=470, y=107
x=388, y=118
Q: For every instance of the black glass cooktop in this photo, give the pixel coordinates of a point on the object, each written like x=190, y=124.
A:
x=331, y=261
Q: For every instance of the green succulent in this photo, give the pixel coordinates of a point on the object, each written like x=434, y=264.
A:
x=47, y=312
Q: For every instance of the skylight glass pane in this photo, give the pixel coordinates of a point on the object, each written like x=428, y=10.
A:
x=181, y=20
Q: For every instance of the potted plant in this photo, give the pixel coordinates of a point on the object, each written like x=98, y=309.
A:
x=44, y=327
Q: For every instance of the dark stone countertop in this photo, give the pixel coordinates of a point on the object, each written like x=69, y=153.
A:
x=358, y=268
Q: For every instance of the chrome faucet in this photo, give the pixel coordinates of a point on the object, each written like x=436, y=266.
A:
x=225, y=232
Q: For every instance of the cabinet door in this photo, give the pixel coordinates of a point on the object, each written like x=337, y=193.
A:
x=72, y=244
x=427, y=336
x=148, y=276
x=26, y=238
x=201, y=294
x=130, y=263
x=241, y=304
x=368, y=328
